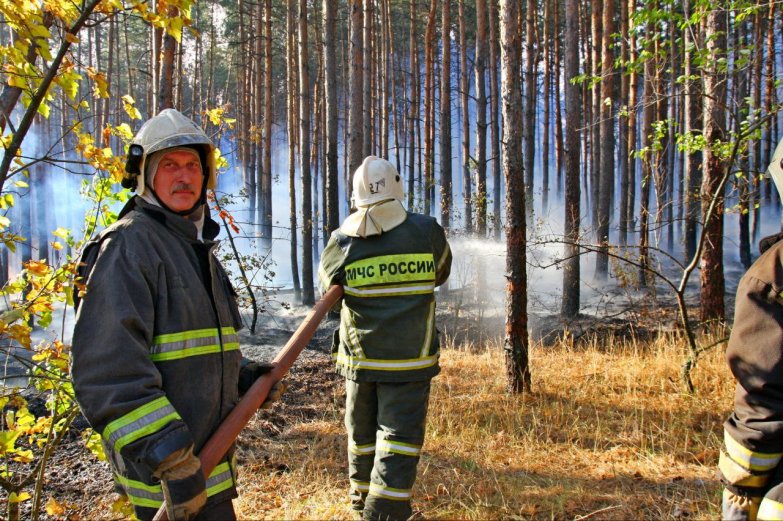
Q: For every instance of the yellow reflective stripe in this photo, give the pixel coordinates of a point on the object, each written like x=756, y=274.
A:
x=391, y=269
x=398, y=494
x=443, y=257
x=144, y=495
x=140, y=422
x=353, y=336
x=758, y=461
x=398, y=447
x=220, y=479
x=362, y=450
x=391, y=291
x=360, y=486
x=425, y=347
x=140, y=494
x=770, y=510
x=386, y=365
x=324, y=277
x=175, y=346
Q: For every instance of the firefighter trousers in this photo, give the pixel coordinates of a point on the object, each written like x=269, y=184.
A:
x=385, y=424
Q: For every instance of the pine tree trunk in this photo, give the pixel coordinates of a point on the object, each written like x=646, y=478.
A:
x=481, y=118
x=292, y=128
x=166, y=87
x=648, y=116
x=516, y=339
x=429, y=107
x=607, y=171
x=330, y=88
x=356, y=107
x=413, y=116
x=464, y=83
x=265, y=208
x=714, y=169
x=367, y=99
x=494, y=109
x=308, y=294
x=595, y=112
x=573, y=111
x=529, y=123
x=445, y=117
x=622, y=131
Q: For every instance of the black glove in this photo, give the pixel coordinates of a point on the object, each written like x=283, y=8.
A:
x=250, y=371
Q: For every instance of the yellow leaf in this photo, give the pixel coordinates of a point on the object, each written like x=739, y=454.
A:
x=72, y=38
x=21, y=184
x=18, y=498
x=62, y=233
x=53, y=508
x=56, y=245
x=7, y=440
x=4, y=221
x=124, y=131
x=43, y=109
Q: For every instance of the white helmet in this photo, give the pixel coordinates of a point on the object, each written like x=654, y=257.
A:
x=775, y=168
x=374, y=181
x=168, y=129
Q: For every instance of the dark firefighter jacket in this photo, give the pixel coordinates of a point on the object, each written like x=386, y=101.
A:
x=753, y=433
x=387, y=321
x=156, y=355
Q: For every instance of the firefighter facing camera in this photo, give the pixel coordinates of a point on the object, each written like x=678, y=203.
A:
x=750, y=462
x=389, y=262
x=156, y=363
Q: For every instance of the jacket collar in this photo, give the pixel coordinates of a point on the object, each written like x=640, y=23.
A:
x=177, y=223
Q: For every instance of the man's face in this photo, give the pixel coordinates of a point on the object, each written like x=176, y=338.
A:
x=178, y=180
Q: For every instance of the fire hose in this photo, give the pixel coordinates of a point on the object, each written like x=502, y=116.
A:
x=222, y=439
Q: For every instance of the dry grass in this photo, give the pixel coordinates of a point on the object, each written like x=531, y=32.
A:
x=605, y=434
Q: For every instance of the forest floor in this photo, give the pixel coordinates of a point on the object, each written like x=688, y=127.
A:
x=606, y=432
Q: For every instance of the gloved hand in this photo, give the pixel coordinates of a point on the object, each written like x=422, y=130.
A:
x=736, y=507
x=184, y=486
x=250, y=371
x=274, y=395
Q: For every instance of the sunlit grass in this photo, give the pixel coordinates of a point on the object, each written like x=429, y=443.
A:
x=607, y=433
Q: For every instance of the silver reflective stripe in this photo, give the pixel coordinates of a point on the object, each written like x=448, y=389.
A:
x=425, y=347
x=220, y=479
x=363, y=449
x=756, y=461
x=390, y=291
x=386, y=365
x=360, y=486
x=398, y=494
x=151, y=496
x=140, y=494
x=398, y=447
x=770, y=509
x=142, y=421
x=443, y=257
x=174, y=346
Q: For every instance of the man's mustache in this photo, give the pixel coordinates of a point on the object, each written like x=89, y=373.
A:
x=183, y=186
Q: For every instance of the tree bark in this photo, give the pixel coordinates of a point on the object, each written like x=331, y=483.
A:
x=308, y=293
x=714, y=168
x=330, y=87
x=464, y=83
x=445, y=117
x=606, y=173
x=571, y=271
x=516, y=339
x=356, y=86
x=481, y=118
x=429, y=108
